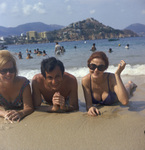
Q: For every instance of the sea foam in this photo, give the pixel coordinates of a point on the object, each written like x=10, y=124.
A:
x=134, y=70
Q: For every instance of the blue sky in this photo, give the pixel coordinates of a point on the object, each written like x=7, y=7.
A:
x=115, y=13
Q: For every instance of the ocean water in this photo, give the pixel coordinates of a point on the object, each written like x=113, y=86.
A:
x=75, y=60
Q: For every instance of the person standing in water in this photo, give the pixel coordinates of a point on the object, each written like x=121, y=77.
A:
x=93, y=47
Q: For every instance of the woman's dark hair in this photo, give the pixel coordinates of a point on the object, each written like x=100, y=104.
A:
x=101, y=55
x=49, y=64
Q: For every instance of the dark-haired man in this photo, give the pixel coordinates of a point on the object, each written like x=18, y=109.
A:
x=56, y=87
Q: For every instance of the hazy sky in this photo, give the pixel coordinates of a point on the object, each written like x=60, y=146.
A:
x=115, y=13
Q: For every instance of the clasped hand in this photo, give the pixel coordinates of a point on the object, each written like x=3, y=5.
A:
x=12, y=115
x=58, y=99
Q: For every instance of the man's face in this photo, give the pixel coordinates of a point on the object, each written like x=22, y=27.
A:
x=54, y=79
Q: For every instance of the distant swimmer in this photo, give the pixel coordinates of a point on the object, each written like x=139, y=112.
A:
x=27, y=51
x=75, y=47
x=44, y=53
x=35, y=52
x=127, y=46
x=93, y=47
x=20, y=55
x=29, y=56
x=110, y=50
x=119, y=45
x=62, y=49
x=39, y=53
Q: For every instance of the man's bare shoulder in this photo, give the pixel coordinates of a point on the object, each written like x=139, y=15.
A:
x=38, y=78
x=69, y=77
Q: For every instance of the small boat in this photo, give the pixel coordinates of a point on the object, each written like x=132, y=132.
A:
x=113, y=39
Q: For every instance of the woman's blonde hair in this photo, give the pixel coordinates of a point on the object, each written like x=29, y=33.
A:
x=6, y=56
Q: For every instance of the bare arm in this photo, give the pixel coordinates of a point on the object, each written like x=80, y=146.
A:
x=59, y=100
x=36, y=95
x=2, y=113
x=93, y=111
x=87, y=94
x=37, y=98
x=119, y=87
x=13, y=115
x=73, y=97
x=55, y=48
x=27, y=102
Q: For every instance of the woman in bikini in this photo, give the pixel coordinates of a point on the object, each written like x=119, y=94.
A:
x=104, y=88
x=15, y=92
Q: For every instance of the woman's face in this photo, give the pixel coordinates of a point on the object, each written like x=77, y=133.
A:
x=97, y=67
x=7, y=73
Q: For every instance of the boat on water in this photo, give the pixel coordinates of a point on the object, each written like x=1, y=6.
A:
x=3, y=47
x=113, y=39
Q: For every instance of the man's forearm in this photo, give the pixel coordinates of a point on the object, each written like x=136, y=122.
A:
x=56, y=109
x=50, y=109
x=43, y=108
x=68, y=108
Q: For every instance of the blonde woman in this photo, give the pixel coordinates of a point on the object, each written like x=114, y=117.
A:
x=15, y=92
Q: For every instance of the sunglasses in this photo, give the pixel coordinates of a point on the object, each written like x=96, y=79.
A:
x=10, y=70
x=99, y=67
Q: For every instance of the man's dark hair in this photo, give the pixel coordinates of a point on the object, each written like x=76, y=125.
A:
x=49, y=65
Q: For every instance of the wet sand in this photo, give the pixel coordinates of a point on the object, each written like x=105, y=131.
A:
x=117, y=128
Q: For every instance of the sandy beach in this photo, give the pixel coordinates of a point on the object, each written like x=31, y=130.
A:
x=117, y=128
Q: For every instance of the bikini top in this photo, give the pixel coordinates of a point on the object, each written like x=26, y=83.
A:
x=18, y=102
x=110, y=99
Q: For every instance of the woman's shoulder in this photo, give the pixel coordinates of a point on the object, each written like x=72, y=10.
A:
x=86, y=77
x=86, y=80
x=111, y=78
x=21, y=79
